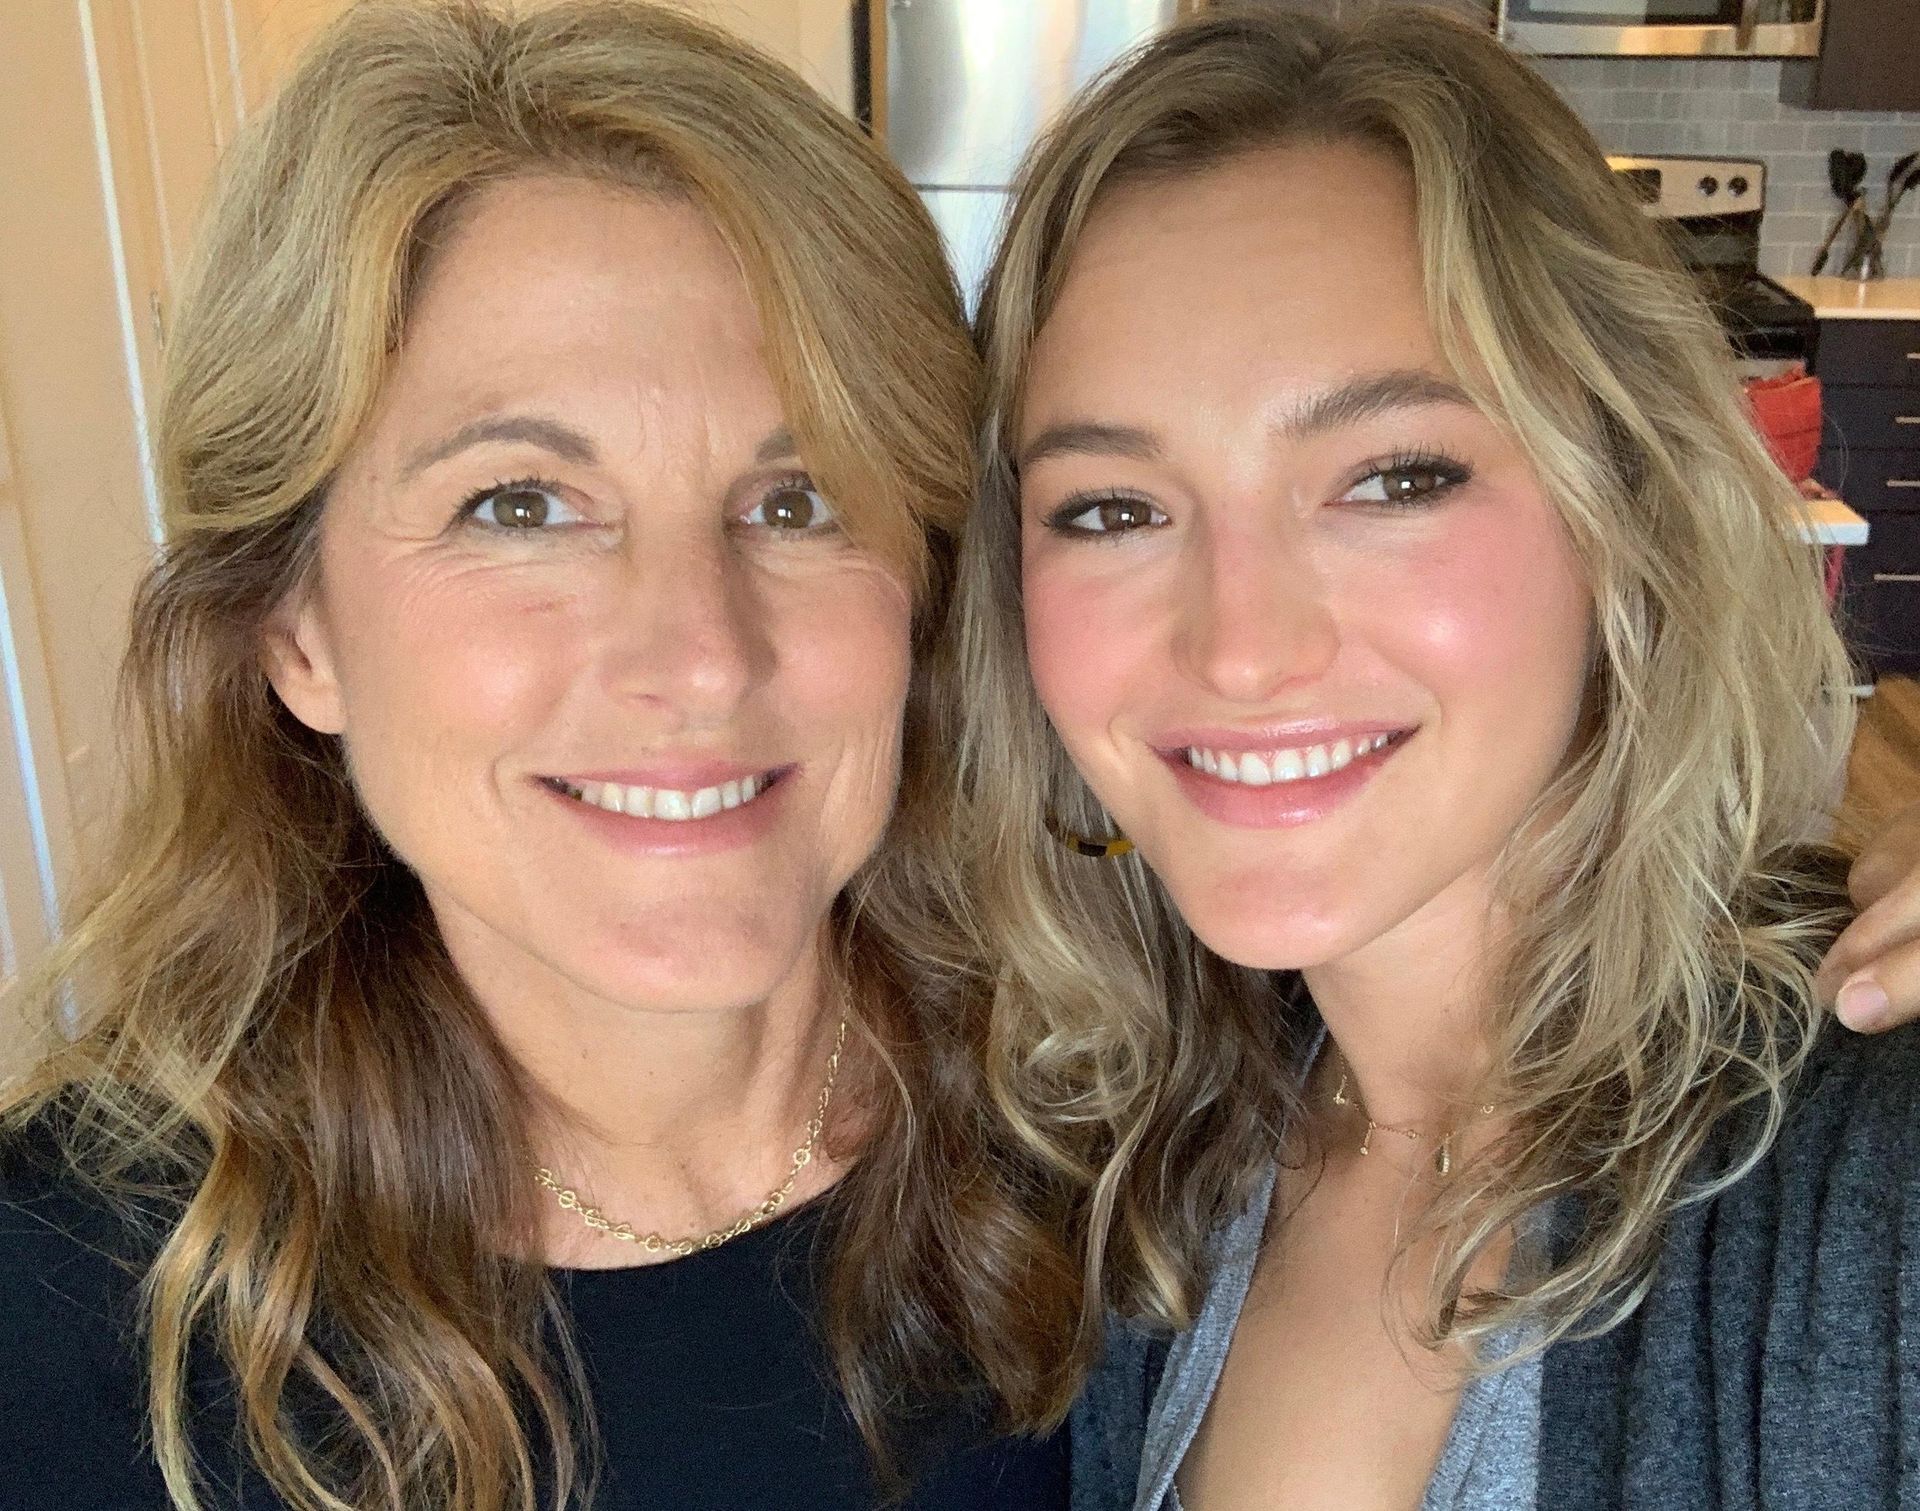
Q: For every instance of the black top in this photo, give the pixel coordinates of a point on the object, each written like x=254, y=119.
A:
x=711, y=1388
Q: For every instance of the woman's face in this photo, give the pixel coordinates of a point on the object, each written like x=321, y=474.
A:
x=1300, y=613
x=610, y=678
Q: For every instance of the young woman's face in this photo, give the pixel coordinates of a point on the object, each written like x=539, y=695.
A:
x=1301, y=614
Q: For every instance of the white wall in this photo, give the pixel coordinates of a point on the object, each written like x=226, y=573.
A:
x=813, y=37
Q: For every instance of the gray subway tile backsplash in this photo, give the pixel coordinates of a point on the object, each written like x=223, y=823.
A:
x=1718, y=107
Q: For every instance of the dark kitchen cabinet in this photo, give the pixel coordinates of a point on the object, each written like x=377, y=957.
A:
x=1870, y=456
x=1869, y=59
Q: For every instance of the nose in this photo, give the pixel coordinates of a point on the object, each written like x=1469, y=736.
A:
x=685, y=629
x=1256, y=614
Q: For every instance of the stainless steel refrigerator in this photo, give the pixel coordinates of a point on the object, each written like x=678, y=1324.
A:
x=958, y=89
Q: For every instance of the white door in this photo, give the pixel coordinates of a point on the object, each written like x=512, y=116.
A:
x=27, y=903
x=112, y=113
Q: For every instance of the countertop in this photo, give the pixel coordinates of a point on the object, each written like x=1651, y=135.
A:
x=1832, y=523
x=1849, y=299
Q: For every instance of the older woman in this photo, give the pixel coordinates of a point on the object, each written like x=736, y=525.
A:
x=530, y=874
x=1412, y=592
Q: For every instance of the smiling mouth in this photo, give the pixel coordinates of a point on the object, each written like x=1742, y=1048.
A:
x=1302, y=763
x=677, y=805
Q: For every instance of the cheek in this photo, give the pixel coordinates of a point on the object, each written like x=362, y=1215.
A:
x=845, y=667
x=1086, y=637
x=1493, y=616
x=445, y=668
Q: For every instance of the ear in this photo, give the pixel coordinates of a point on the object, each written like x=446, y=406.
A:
x=297, y=654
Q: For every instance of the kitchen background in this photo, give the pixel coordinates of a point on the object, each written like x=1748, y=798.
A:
x=1721, y=107
x=113, y=114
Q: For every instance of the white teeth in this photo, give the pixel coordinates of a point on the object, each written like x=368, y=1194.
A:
x=1260, y=769
x=667, y=802
x=605, y=795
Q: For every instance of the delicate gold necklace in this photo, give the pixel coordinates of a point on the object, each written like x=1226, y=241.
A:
x=654, y=1243
x=1443, y=1152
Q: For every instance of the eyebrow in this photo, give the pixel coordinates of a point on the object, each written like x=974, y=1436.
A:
x=1349, y=403
x=563, y=441
x=1368, y=397
x=1089, y=438
x=550, y=435
x=776, y=447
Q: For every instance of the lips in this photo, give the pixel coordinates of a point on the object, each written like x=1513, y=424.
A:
x=1286, y=763
x=1279, y=778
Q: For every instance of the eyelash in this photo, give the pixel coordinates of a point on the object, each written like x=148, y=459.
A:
x=1449, y=473
x=470, y=506
x=1061, y=519
x=467, y=511
x=799, y=482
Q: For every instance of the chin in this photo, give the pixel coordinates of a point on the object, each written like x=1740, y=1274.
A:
x=1271, y=926
x=718, y=967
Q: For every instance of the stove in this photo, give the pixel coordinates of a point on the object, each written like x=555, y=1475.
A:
x=1711, y=208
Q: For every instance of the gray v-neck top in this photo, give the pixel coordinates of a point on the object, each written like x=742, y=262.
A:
x=1492, y=1455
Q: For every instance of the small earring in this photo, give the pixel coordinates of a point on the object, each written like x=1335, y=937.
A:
x=1095, y=849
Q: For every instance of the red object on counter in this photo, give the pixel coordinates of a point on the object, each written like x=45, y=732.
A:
x=1787, y=411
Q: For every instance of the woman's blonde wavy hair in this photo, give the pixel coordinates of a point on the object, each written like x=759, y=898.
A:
x=1667, y=914
x=272, y=1038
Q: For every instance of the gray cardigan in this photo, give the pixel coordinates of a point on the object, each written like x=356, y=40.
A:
x=1775, y=1362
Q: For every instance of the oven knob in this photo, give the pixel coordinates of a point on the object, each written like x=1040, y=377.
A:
x=1737, y=186
x=1709, y=185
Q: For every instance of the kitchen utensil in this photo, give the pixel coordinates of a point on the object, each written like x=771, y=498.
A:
x=1845, y=172
x=1869, y=256
x=1865, y=254
x=1901, y=178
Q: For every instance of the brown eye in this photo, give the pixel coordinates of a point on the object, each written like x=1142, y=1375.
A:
x=1410, y=483
x=794, y=508
x=1107, y=516
x=1124, y=514
x=522, y=510
x=521, y=506
x=1413, y=481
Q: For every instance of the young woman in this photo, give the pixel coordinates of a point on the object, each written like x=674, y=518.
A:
x=1373, y=503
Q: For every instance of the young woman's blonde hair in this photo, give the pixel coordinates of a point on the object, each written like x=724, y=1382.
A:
x=1666, y=920
x=276, y=1065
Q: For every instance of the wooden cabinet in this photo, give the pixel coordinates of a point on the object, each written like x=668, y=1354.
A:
x=1870, y=455
x=1869, y=59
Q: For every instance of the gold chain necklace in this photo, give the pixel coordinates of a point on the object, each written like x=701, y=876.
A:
x=753, y=1217
x=1443, y=1152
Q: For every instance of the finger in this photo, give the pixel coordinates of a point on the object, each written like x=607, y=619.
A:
x=1891, y=920
x=1893, y=856
x=1885, y=993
